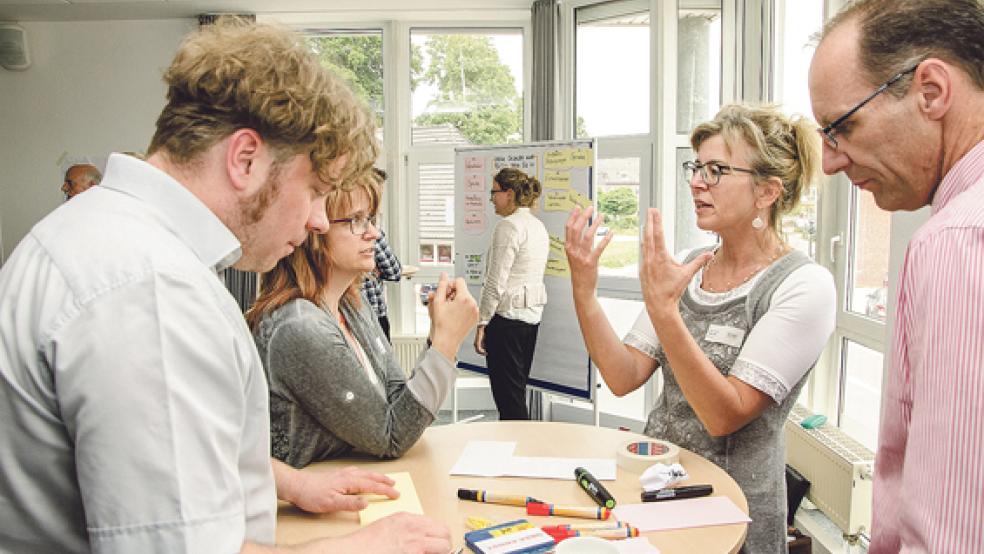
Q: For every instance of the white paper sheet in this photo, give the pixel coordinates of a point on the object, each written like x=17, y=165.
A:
x=495, y=459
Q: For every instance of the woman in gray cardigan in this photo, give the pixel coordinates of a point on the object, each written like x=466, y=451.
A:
x=336, y=387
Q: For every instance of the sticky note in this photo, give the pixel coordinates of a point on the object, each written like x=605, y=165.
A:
x=382, y=506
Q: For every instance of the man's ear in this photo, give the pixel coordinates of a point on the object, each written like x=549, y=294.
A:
x=768, y=192
x=243, y=158
x=934, y=87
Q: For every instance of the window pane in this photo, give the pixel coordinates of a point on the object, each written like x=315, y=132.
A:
x=799, y=20
x=621, y=315
x=467, y=87
x=870, y=234
x=356, y=56
x=435, y=209
x=618, y=199
x=698, y=66
x=688, y=234
x=862, y=378
x=612, y=73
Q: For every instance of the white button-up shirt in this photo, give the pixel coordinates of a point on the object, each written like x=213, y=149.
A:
x=133, y=406
x=514, y=267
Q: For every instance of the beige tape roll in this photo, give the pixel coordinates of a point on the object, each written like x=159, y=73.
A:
x=637, y=456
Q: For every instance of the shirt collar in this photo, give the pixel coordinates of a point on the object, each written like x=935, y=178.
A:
x=964, y=174
x=181, y=212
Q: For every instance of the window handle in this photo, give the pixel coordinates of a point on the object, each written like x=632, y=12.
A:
x=834, y=244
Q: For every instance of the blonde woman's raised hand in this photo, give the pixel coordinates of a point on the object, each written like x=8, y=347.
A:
x=582, y=253
x=661, y=277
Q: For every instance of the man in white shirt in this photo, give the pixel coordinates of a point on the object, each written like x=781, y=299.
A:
x=133, y=403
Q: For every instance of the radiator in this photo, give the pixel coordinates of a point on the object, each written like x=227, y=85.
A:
x=839, y=470
x=408, y=348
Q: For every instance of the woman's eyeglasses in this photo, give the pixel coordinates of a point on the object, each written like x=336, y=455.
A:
x=710, y=172
x=359, y=225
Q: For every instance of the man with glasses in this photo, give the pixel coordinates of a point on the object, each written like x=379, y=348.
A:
x=80, y=178
x=899, y=88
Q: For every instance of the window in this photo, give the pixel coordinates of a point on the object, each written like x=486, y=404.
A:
x=612, y=69
x=435, y=213
x=698, y=64
x=868, y=267
x=617, y=194
x=356, y=56
x=861, y=392
x=467, y=86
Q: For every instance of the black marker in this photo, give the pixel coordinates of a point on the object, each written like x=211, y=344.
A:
x=692, y=491
x=595, y=490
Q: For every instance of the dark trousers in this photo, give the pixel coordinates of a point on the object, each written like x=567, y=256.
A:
x=509, y=345
x=384, y=322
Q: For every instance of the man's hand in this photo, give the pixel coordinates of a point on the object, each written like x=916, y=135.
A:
x=400, y=533
x=330, y=491
x=480, y=341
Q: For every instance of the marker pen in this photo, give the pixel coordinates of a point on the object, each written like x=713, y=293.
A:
x=543, y=509
x=587, y=526
x=609, y=534
x=692, y=491
x=493, y=498
x=594, y=488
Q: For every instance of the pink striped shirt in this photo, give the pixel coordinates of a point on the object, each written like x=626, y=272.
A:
x=929, y=471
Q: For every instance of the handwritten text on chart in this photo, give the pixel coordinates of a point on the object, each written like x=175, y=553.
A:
x=558, y=268
x=475, y=163
x=524, y=162
x=556, y=179
x=567, y=158
x=557, y=201
x=473, y=268
x=557, y=246
x=474, y=201
x=474, y=222
x=474, y=182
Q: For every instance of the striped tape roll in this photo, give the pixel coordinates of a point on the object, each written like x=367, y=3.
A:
x=637, y=456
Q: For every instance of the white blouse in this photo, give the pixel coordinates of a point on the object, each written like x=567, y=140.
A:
x=514, y=267
x=786, y=341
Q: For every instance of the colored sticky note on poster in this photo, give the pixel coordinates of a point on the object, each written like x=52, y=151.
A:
x=581, y=157
x=557, y=179
x=557, y=159
x=474, y=222
x=475, y=163
x=474, y=201
x=557, y=246
x=382, y=506
x=577, y=198
x=557, y=201
x=557, y=268
x=473, y=268
x=474, y=182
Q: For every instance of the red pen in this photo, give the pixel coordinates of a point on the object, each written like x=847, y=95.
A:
x=543, y=509
x=609, y=534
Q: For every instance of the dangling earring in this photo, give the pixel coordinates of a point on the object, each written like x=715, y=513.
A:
x=757, y=223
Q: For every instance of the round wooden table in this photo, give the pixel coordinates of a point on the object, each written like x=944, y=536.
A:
x=430, y=460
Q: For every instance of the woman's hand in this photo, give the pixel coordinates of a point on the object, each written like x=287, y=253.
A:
x=453, y=313
x=661, y=277
x=480, y=340
x=582, y=254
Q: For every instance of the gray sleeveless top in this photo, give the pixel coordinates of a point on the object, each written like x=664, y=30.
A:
x=755, y=454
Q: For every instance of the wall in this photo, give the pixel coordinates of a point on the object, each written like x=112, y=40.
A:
x=93, y=87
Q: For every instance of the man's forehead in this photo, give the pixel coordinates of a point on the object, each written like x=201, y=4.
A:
x=835, y=79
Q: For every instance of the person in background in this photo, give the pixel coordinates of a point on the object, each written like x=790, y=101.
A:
x=899, y=87
x=513, y=295
x=79, y=178
x=736, y=327
x=336, y=386
x=133, y=406
x=387, y=268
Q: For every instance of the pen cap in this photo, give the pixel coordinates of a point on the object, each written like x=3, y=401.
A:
x=467, y=494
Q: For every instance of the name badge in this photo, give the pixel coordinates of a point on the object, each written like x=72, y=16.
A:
x=724, y=335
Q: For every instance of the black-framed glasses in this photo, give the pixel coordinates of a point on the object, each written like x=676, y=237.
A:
x=359, y=225
x=828, y=133
x=710, y=172
x=492, y=192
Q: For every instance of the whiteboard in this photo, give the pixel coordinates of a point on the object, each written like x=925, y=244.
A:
x=566, y=173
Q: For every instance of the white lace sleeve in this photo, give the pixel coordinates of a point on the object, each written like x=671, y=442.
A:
x=788, y=339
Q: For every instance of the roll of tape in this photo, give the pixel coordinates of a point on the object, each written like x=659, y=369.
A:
x=637, y=456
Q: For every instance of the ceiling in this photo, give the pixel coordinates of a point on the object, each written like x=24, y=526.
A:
x=93, y=10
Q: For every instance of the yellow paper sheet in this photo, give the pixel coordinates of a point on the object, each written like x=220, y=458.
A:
x=557, y=179
x=558, y=268
x=557, y=159
x=557, y=246
x=578, y=198
x=557, y=201
x=381, y=506
x=581, y=157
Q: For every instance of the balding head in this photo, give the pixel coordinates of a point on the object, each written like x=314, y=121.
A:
x=79, y=178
